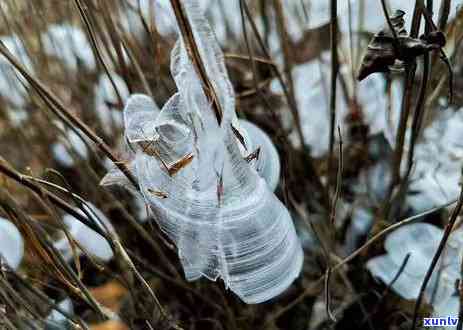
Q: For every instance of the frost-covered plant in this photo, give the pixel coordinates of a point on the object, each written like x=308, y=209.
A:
x=87, y=238
x=69, y=44
x=11, y=244
x=421, y=240
x=204, y=191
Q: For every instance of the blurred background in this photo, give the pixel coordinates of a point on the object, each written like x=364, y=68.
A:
x=356, y=157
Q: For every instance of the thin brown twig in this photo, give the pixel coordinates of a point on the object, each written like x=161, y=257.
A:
x=448, y=229
x=333, y=83
x=64, y=114
x=195, y=57
x=84, y=16
x=308, y=291
x=410, y=70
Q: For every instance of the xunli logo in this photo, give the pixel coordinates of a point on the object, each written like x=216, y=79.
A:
x=440, y=321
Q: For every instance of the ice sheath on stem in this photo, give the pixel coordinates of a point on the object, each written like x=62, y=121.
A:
x=203, y=191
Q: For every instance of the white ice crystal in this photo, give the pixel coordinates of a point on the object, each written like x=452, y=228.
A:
x=11, y=244
x=421, y=241
x=56, y=320
x=70, y=141
x=438, y=161
x=12, y=87
x=312, y=91
x=368, y=15
x=152, y=11
x=223, y=217
x=69, y=44
x=87, y=238
x=106, y=101
x=318, y=14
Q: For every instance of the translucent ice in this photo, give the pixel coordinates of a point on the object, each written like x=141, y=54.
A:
x=421, y=241
x=91, y=241
x=204, y=191
x=11, y=244
x=69, y=44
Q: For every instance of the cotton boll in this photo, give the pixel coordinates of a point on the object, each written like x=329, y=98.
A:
x=11, y=244
x=11, y=84
x=69, y=44
x=60, y=149
x=105, y=96
x=91, y=241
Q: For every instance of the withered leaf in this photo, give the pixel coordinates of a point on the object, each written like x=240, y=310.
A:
x=157, y=193
x=384, y=50
x=177, y=166
x=253, y=155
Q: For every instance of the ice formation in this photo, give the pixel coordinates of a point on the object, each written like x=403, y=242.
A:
x=106, y=101
x=87, y=238
x=421, y=241
x=195, y=176
x=435, y=180
x=69, y=44
x=152, y=11
x=12, y=87
x=11, y=244
x=371, y=18
x=56, y=320
x=312, y=92
x=69, y=141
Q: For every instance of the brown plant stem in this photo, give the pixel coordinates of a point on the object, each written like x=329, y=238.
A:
x=195, y=57
x=333, y=88
x=448, y=229
x=64, y=114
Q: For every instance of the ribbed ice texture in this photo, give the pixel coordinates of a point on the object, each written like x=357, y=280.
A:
x=223, y=217
x=421, y=241
x=11, y=244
